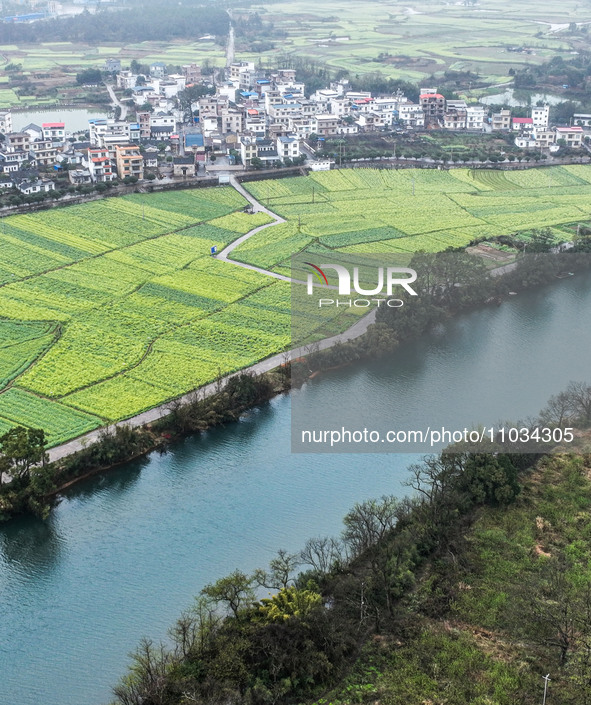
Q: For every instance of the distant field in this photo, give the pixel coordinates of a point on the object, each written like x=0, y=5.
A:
x=422, y=40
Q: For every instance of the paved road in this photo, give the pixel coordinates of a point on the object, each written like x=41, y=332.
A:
x=117, y=102
x=258, y=368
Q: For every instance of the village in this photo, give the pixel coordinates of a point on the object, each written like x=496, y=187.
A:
x=252, y=119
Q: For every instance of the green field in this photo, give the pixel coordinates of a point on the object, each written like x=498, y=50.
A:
x=113, y=307
x=374, y=210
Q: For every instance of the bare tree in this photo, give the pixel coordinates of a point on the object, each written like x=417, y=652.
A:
x=281, y=571
x=323, y=553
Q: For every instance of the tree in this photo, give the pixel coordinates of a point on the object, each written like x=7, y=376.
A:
x=89, y=76
x=281, y=572
x=23, y=448
x=289, y=602
x=235, y=591
x=369, y=522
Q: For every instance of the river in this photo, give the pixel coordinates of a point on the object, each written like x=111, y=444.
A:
x=124, y=553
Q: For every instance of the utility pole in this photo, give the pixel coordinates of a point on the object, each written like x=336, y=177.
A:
x=546, y=679
x=312, y=194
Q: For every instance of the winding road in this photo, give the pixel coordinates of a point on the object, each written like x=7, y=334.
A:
x=269, y=363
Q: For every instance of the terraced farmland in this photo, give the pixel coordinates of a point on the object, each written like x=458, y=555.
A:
x=385, y=210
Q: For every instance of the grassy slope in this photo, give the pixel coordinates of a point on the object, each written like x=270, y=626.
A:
x=469, y=641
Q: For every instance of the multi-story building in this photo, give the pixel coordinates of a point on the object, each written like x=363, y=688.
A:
x=288, y=147
x=143, y=118
x=248, y=149
x=99, y=165
x=129, y=161
x=475, y=117
x=103, y=131
x=232, y=120
x=573, y=136
x=522, y=124
x=126, y=80
x=327, y=125
x=456, y=115
x=302, y=127
x=411, y=114
x=158, y=69
x=5, y=121
x=192, y=73
x=281, y=112
x=502, y=120
x=45, y=151
x=433, y=105
x=541, y=115
x=544, y=137
x=18, y=142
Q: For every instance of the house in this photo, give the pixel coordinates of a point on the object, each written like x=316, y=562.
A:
x=158, y=69
x=267, y=151
x=195, y=143
x=288, y=147
x=433, y=105
x=580, y=119
x=5, y=121
x=100, y=166
x=126, y=80
x=573, y=136
x=37, y=186
x=326, y=125
x=456, y=115
x=104, y=131
x=545, y=137
x=411, y=114
x=79, y=176
x=475, y=117
x=248, y=149
x=129, y=161
x=162, y=126
x=525, y=141
x=541, y=115
x=34, y=131
x=54, y=131
x=112, y=65
x=18, y=142
x=151, y=158
x=502, y=120
x=192, y=73
x=522, y=124
x=183, y=166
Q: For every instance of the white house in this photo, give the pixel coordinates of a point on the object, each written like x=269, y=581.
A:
x=288, y=147
x=38, y=186
x=541, y=115
x=475, y=117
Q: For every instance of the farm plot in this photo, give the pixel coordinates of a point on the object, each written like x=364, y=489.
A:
x=372, y=210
